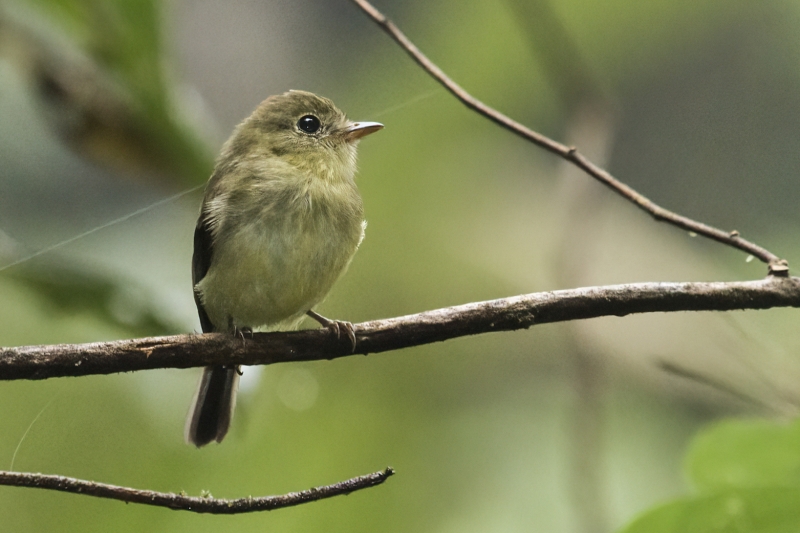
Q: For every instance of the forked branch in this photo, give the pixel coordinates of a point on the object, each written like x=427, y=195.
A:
x=777, y=266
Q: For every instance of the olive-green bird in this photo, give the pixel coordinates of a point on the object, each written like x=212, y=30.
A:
x=280, y=221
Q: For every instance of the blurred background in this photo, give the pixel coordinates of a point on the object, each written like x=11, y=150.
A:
x=111, y=109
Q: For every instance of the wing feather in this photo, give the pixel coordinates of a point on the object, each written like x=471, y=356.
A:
x=201, y=262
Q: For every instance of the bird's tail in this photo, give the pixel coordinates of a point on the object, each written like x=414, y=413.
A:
x=212, y=408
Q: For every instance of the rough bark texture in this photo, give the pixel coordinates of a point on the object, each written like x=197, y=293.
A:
x=197, y=504
x=505, y=314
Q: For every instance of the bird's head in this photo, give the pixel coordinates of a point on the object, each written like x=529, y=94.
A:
x=304, y=130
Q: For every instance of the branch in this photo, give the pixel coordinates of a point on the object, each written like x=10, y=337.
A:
x=505, y=314
x=180, y=502
x=777, y=266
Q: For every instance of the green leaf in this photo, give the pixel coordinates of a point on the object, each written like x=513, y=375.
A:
x=748, y=476
x=759, y=510
x=745, y=453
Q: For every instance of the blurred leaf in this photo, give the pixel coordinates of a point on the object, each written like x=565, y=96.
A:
x=767, y=510
x=73, y=291
x=747, y=474
x=120, y=106
x=745, y=453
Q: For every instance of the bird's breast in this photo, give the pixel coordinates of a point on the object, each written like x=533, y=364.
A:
x=280, y=260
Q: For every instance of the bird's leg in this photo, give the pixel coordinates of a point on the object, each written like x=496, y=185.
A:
x=336, y=326
x=244, y=331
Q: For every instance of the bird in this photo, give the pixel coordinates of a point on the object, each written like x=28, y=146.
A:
x=280, y=221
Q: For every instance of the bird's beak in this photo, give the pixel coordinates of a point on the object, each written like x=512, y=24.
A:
x=355, y=130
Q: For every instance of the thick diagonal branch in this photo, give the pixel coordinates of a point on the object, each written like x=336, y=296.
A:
x=777, y=266
x=505, y=314
x=192, y=503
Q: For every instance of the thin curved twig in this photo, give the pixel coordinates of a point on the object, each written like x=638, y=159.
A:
x=777, y=266
x=505, y=314
x=196, y=504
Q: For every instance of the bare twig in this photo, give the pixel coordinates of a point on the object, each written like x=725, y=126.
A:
x=505, y=314
x=181, y=502
x=777, y=266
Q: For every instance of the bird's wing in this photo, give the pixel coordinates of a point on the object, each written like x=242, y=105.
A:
x=201, y=261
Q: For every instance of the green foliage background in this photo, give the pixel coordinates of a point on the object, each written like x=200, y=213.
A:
x=567, y=427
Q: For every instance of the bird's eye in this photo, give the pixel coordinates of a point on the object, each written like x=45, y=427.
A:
x=308, y=124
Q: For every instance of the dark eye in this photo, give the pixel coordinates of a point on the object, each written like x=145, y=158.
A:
x=308, y=124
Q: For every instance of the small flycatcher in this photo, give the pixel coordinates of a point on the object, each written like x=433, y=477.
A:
x=280, y=221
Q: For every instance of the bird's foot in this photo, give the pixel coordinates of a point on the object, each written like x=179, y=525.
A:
x=336, y=327
x=242, y=333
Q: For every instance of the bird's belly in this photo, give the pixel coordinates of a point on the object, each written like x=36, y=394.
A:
x=271, y=278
